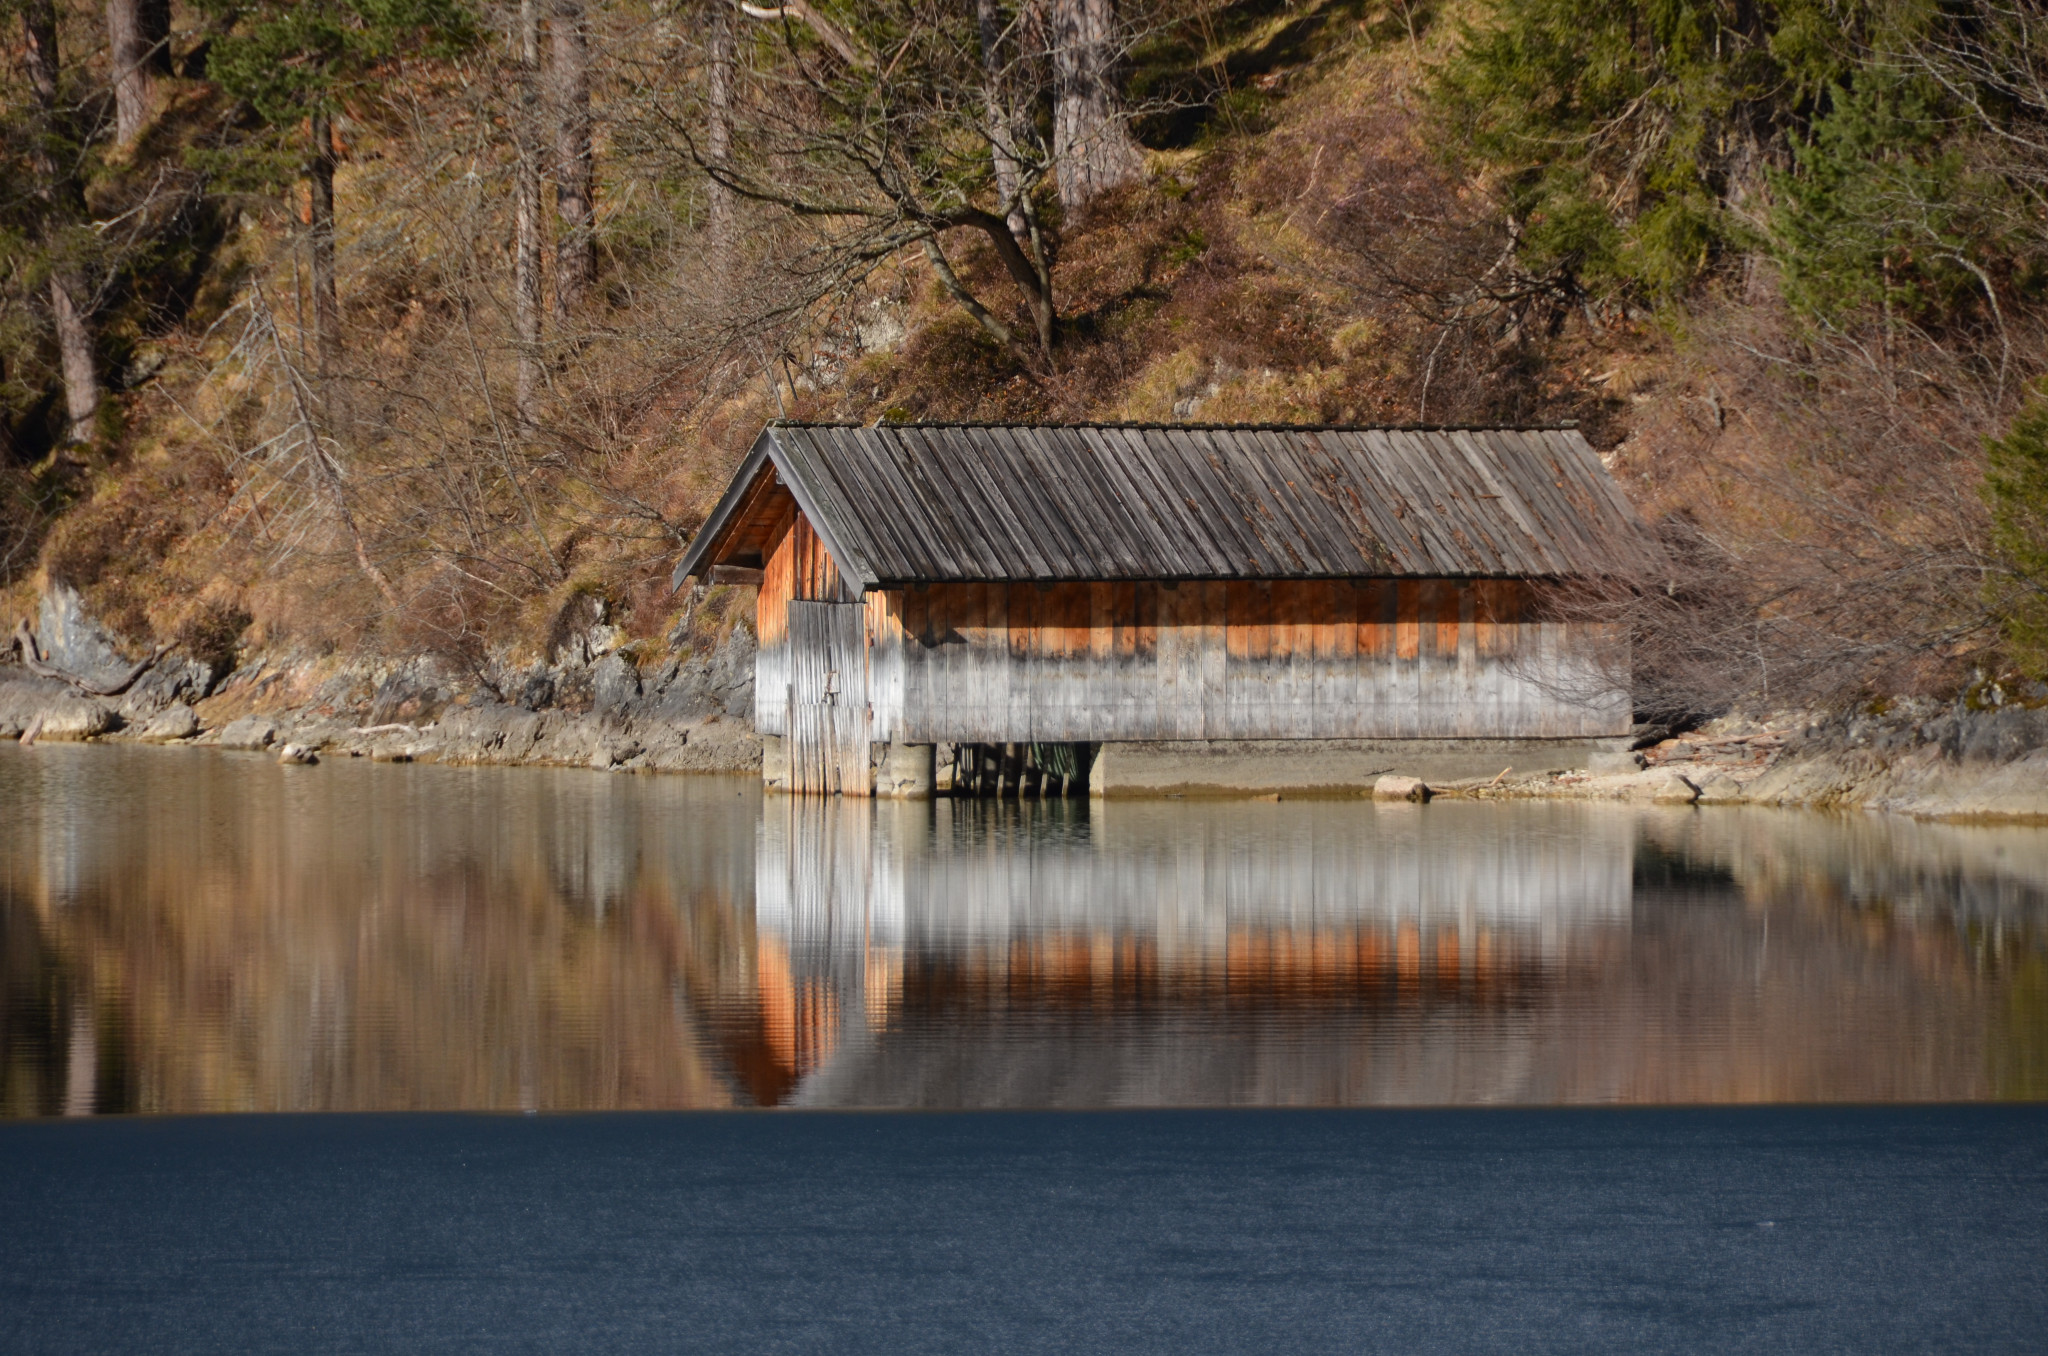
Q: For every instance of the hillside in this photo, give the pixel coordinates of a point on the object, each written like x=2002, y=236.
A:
x=1782, y=265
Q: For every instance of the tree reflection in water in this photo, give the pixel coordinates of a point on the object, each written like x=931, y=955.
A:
x=187, y=931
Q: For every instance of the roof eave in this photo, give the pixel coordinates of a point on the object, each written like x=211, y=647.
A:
x=715, y=527
x=767, y=450
x=854, y=570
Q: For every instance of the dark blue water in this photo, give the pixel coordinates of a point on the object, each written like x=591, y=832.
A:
x=1772, y=1229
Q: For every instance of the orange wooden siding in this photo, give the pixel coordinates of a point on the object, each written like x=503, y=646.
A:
x=795, y=568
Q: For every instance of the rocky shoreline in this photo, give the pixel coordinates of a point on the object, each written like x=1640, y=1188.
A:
x=596, y=707
x=1924, y=759
x=593, y=706
x=691, y=716
x=643, y=734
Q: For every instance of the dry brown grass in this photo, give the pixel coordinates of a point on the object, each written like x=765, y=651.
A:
x=1820, y=487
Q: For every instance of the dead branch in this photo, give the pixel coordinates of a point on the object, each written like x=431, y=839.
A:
x=828, y=32
x=32, y=660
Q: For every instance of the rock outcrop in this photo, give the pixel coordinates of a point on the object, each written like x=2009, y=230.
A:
x=50, y=710
x=593, y=706
x=175, y=722
x=249, y=733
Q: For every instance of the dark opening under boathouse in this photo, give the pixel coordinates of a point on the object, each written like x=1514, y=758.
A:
x=1155, y=609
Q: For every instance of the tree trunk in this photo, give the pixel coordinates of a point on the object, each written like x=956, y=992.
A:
x=59, y=196
x=1090, y=143
x=1000, y=133
x=75, y=357
x=133, y=49
x=326, y=305
x=526, y=297
x=576, y=250
x=39, y=55
x=721, y=77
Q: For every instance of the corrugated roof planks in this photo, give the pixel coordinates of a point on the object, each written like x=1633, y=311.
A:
x=911, y=503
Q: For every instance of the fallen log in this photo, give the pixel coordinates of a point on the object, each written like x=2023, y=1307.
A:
x=32, y=660
x=1713, y=741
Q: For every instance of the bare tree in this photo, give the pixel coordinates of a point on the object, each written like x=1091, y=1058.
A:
x=138, y=37
x=320, y=229
x=1090, y=141
x=720, y=74
x=526, y=263
x=61, y=202
x=880, y=155
x=1820, y=493
x=988, y=17
x=298, y=468
x=575, y=205
x=1991, y=58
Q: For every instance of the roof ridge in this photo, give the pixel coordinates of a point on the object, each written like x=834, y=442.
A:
x=1562, y=425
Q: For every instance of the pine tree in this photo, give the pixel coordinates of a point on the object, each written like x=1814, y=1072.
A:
x=2016, y=483
x=296, y=62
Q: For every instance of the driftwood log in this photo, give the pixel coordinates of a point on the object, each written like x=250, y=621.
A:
x=32, y=660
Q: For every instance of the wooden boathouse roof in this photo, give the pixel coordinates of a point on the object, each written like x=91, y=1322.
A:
x=901, y=504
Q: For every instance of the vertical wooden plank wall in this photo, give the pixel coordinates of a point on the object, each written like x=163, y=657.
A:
x=797, y=568
x=771, y=630
x=1291, y=659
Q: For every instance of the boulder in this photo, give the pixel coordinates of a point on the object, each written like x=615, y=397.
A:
x=538, y=691
x=297, y=755
x=415, y=693
x=1674, y=790
x=612, y=752
x=1400, y=788
x=171, y=723
x=72, y=641
x=614, y=685
x=70, y=719
x=250, y=732
x=1722, y=790
x=1612, y=762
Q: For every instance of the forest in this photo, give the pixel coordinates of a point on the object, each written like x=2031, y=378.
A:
x=434, y=327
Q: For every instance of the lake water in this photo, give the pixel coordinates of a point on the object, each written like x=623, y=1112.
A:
x=186, y=931
x=1437, y=995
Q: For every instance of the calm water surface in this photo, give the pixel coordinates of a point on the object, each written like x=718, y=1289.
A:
x=191, y=932
x=1766, y=1229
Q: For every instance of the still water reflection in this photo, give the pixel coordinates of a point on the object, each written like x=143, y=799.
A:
x=186, y=931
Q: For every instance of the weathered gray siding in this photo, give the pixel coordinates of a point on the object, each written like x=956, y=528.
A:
x=1339, y=659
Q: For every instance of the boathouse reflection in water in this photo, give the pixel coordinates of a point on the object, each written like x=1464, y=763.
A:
x=192, y=932
x=968, y=952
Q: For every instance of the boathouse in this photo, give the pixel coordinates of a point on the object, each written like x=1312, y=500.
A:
x=1161, y=608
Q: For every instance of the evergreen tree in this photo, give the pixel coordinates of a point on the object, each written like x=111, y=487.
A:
x=296, y=63
x=1633, y=141
x=2016, y=483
